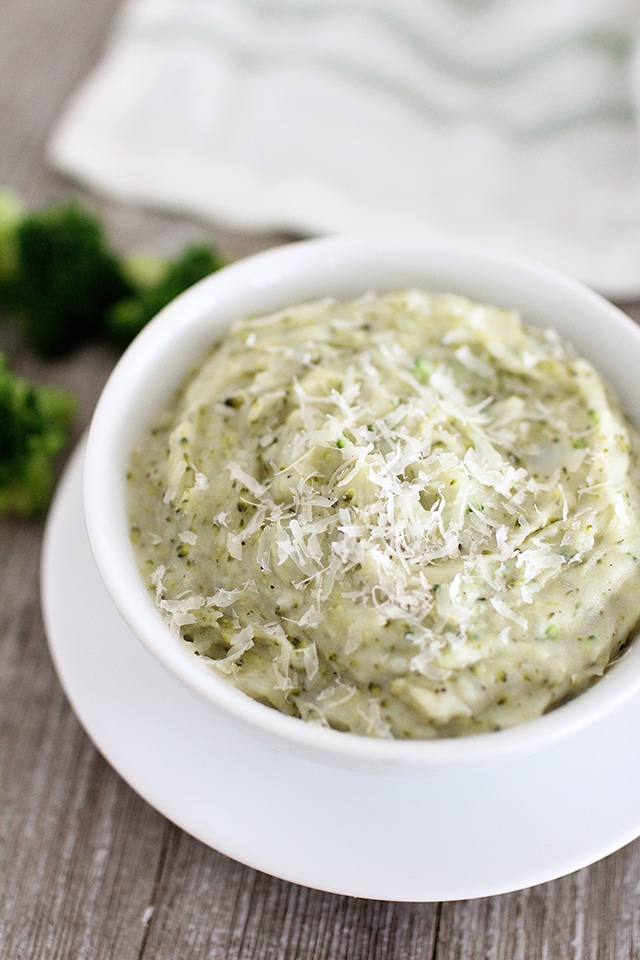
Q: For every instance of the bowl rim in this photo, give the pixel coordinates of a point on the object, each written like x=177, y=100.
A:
x=195, y=318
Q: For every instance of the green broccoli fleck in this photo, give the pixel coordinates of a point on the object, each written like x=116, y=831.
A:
x=65, y=278
x=156, y=288
x=34, y=427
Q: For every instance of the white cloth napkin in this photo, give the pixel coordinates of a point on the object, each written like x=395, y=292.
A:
x=508, y=122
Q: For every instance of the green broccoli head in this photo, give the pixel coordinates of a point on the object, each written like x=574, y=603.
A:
x=65, y=280
x=129, y=316
x=34, y=427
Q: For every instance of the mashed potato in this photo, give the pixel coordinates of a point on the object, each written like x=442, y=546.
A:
x=406, y=516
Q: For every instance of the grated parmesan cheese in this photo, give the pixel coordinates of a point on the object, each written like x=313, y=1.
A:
x=407, y=515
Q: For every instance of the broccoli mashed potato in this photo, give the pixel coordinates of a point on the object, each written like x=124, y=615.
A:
x=408, y=515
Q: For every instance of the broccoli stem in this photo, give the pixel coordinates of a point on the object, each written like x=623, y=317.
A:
x=11, y=215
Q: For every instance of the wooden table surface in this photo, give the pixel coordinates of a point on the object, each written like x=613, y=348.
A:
x=87, y=868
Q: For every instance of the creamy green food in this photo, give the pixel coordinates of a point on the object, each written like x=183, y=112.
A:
x=406, y=516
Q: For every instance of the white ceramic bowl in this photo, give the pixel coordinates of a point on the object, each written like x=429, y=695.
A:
x=343, y=267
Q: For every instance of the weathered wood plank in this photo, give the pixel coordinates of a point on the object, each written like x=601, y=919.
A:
x=64, y=864
x=249, y=915
x=591, y=915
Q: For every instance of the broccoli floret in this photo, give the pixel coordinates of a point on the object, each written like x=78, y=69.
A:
x=65, y=278
x=59, y=276
x=34, y=427
x=157, y=287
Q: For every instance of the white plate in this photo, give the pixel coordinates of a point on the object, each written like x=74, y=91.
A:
x=509, y=826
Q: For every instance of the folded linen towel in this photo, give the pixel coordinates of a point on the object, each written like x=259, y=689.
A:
x=508, y=122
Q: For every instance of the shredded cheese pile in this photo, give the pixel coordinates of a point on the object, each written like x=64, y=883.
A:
x=407, y=515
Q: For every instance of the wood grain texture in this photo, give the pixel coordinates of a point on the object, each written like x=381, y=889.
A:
x=88, y=871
